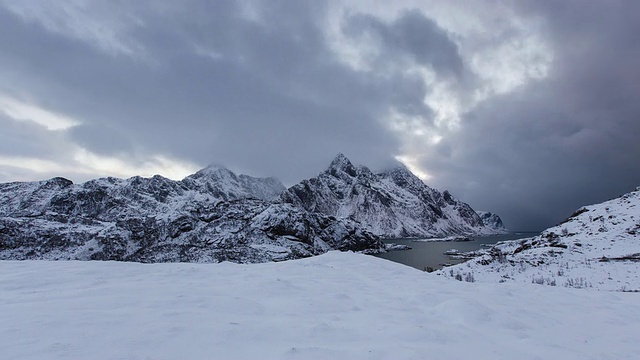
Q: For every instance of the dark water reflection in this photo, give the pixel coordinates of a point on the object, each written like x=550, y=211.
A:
x=430, y=254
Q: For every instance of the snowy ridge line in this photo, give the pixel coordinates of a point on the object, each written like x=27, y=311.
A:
x=391, y=204
x=215, y=215
x=211, y=216
x=598, y=247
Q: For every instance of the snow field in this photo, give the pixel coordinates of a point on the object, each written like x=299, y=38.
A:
x=337, y=305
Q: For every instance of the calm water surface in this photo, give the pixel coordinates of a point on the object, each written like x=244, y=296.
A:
x=430, y=254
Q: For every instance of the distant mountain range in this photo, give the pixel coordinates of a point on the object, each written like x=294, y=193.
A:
x=215, y=215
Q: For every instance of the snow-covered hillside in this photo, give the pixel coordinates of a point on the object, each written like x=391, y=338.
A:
x=597, y=247
x=333, y=306
x=392, y=204
x=213, y=215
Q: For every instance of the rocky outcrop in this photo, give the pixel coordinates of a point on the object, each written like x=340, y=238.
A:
x=492, y=221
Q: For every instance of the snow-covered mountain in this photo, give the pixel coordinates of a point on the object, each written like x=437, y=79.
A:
x=213, y=215
x=392, y=204
x=597, y=247
x=226, y=185
x=492, y=221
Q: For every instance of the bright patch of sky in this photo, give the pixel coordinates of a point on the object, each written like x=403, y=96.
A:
x=25, y=111
x=83, y=161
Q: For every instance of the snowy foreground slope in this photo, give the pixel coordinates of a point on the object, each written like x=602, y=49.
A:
x=597, y=247
x=333, y=306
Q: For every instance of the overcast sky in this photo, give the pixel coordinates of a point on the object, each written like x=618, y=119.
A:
x=529, y=109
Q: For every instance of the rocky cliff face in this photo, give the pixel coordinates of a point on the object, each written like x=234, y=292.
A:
x=213, y=215
x=392, y=204
x=492, y=221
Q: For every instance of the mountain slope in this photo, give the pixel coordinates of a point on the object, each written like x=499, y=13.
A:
x=226, y=185
x=210, y=216
x=392, y=204
x=597, y=247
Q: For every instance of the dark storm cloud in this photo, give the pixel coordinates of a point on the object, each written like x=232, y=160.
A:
x=538, y=154
x=414, y=34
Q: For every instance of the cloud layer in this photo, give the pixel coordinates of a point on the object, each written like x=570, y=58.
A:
x=529, y=110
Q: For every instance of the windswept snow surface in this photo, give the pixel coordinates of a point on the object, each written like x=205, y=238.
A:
x=333, y=306
x=598, y=247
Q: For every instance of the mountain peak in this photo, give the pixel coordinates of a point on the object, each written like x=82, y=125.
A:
x=399, y=168
x=215, y=171
x=402, y=176
x=341, y=164
x=215, y=167
x=339, y=160
x=391, y=204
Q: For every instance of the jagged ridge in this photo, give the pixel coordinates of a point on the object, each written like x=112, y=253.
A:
x=393, y=203
x=213, y=215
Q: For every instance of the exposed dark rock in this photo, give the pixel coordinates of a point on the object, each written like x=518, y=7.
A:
x=492, y=221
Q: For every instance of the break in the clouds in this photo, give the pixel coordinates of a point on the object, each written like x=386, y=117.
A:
x=527, y=109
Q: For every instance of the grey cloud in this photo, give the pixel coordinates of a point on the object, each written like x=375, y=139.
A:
x=276, y=101
x=28, y=139
x=100, y=139
x=538, y=154
x=415, y=34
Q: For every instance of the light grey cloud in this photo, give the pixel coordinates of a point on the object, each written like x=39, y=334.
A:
x=101, y=139
x=28, y=139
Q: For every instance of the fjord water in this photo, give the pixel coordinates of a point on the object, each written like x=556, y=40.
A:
x=424, y=254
